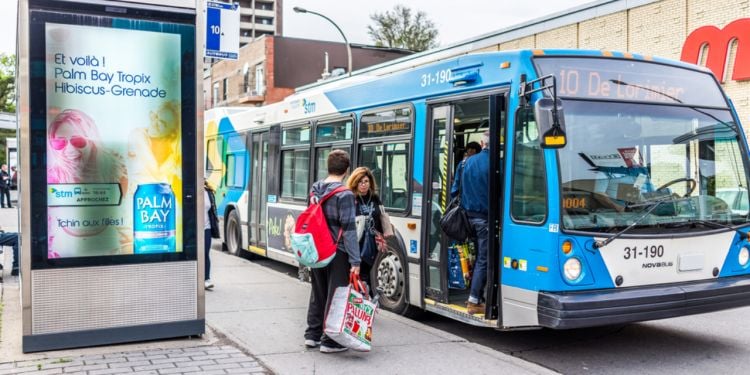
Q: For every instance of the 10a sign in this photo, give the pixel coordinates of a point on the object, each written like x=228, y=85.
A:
x=222, y=30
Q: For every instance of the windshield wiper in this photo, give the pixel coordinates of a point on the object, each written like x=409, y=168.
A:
x=709, y=223
x=655, y=204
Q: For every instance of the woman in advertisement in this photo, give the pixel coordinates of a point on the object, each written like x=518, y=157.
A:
x=76, y=156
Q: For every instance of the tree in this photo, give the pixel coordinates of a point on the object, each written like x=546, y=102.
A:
x=401, y=28
x=7, y=83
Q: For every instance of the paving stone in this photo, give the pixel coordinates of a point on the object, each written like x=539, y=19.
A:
x=179, y=370
x=85, y=368
x=212, y=356
x=129, y=364
x=108, y=371
x=154, y=367
x=171, y=360
x=220, y=367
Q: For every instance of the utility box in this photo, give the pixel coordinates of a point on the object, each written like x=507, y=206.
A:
x=111, y=194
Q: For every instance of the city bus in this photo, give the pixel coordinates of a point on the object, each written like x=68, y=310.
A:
x=608, y=176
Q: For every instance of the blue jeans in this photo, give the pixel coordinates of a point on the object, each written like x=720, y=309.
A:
x=479, y=279
x=207, y=247
x=11, y=239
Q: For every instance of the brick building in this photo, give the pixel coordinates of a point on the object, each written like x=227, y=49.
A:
x=271, y=67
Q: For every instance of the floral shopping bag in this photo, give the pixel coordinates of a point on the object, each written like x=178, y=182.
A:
x=350, y=316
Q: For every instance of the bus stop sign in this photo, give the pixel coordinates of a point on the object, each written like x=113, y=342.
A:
x=222, y=30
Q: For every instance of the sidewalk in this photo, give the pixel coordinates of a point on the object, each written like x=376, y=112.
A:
x=255, y=320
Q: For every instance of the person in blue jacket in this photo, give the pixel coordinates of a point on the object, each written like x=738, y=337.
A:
x=475, y=201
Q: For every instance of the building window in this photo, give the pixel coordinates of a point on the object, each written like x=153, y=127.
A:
x=225, y=88
x=215, y=96
x=248, y=19
x=260, y=79
x=264, y=20
x=263, y=6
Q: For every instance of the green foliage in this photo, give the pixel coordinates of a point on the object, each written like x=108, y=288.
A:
x=7, y=83
x=402, y=28
x=5, y=133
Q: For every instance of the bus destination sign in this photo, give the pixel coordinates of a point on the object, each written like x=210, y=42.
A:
x=630, y=80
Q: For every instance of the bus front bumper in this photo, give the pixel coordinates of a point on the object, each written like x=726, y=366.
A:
x=566, y=310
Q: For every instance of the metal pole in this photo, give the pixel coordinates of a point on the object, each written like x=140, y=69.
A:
x=346, y=41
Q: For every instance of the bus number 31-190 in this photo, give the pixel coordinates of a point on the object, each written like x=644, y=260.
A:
x=652, y=251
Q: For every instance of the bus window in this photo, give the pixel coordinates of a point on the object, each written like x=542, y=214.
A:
x=334, y=135
x=213, y=162
x=321, y=160
x=295, y=173
x=335, y=131
x=235, y=162
x=385, y=123
x=389, y=166
x=235, y=176
x=529, y=201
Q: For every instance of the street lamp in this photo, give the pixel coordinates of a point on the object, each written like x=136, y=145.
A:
x=348, y=48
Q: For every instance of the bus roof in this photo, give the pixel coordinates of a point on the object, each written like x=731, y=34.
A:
x=484, y=70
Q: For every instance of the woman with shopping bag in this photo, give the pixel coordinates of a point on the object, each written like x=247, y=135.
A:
x=373, y=223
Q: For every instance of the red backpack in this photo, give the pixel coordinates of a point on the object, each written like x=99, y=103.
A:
x=312, y=243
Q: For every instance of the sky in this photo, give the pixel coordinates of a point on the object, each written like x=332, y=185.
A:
x=455, y=21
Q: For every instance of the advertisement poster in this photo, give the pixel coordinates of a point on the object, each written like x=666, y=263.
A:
x=114, y=178
x=281, y=221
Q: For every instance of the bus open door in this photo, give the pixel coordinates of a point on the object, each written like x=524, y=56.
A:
x=447, y=264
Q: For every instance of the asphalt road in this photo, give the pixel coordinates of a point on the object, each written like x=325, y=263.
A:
x=716, y=343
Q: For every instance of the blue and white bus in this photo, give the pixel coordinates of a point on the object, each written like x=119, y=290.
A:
x=608, y=178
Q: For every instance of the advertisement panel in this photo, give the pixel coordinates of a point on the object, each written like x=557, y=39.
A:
x=117, y=95
x=113, y=141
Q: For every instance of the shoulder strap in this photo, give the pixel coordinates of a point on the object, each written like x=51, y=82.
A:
x=332, y=193
x=462, y=166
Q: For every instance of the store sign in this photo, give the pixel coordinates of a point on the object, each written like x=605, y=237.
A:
x=717, y=43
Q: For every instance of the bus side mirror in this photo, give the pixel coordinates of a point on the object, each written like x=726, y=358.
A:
x=551, y=122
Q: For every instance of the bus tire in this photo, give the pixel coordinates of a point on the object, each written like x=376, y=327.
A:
x=233, y=233
x=390, y=274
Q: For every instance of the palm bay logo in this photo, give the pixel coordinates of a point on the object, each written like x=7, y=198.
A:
x=713, y=45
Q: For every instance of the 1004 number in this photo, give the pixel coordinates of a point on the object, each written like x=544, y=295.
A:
x=635, y=252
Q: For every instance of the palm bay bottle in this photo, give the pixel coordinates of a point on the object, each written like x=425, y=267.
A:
x=154, y=219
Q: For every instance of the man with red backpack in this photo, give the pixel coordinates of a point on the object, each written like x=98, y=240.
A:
x=339, y=211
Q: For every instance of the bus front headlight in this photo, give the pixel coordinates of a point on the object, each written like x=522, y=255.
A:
x=572, y=269
x=744, y=256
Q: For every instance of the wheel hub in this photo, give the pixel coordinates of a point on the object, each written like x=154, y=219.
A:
x=390, y=275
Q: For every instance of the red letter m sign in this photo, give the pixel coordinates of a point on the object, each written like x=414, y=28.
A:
x=718, y=42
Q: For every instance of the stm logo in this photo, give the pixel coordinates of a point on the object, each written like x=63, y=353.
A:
x=712, y=45
x=307, y=106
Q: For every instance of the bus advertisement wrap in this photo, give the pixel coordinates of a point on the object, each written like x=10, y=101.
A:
x=114, y=177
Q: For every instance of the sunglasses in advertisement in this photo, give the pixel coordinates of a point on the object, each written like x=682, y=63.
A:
x=76, y=141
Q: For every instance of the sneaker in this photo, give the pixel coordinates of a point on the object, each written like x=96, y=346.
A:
x=333, y=349
x=208, y=284
x=474, y=308
x=310, y=343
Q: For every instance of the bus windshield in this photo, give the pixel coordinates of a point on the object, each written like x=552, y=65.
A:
x=623, y=158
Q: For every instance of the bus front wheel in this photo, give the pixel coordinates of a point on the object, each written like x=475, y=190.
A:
x=233, y=235
x=388, y=276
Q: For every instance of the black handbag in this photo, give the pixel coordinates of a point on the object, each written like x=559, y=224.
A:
x=455, y=223
x=369, y=248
